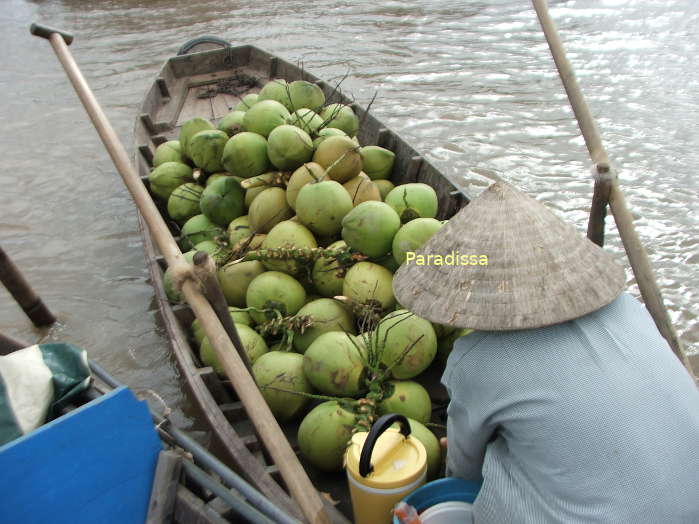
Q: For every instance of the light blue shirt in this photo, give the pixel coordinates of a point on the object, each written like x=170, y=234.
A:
x=592, y=420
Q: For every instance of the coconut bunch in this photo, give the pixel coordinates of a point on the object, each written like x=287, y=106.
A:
x=307, y=230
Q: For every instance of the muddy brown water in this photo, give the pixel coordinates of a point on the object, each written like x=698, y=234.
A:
x=470, y=84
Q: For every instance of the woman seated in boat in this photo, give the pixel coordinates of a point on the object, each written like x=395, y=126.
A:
x=566, y=402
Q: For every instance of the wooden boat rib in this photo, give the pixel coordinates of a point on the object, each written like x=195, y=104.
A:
x=209, y=84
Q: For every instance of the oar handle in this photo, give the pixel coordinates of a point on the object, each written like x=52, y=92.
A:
x=45, y=31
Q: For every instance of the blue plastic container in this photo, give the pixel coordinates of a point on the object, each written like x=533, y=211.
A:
x=442, y=490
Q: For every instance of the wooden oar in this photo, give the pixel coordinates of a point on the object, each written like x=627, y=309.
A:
x=607, y=190
x=23, y=293
x=245, y=387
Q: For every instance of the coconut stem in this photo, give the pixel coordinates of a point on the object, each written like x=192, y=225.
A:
x=305, y=255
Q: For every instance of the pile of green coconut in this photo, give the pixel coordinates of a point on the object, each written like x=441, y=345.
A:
x=307, y=230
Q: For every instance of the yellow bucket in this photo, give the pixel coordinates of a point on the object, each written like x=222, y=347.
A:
x=383, y=466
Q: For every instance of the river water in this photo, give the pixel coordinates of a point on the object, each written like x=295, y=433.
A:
x=470, y=84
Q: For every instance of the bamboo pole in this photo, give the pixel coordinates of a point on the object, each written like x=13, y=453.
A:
x=205, y=272
x=23, y=293
x=607, y=187
x=245, y=387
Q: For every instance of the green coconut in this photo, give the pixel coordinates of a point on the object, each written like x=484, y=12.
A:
x=305, y=94
x=274, y=290
x=238, y=316
x=276, y=90
x=259, y=184
x=410, y=343
x=324, y=434
x=327, y=276
x=167, y=177
x=288, y=147
x=305, y=119
x=245, y=155
x=246, y=102
x=197, y=229
x=171, y=292
x=217, y=176
x=324, y=133
x=223, y=201
x=366, y=281
x=282, y=370
x=264, y=116
x=288, y=234
x=412, y=236
x=370, y=228
x=268, y=209
x=183, y=203
x=189, y=129
x=309, y=172
x=206, y=148
x=254, y=345
x=232, y=123
x=361, y=189
x=340, y=157
x=169, y=151
x=328, y=315
x=431, y=443
x=377, y=161
x=341, y=117
x=321, y=206
x=238, y=229
x=235, y=278
x=385, y=187
x=407, y=398
x=334, y=365
x=412, y=201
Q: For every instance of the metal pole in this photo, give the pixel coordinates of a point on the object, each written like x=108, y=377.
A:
x=636, y=253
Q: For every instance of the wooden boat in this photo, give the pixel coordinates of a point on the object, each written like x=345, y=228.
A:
x=207, y=81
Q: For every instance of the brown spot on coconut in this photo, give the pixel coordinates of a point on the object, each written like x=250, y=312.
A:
x=361, y=189
x=340, y=157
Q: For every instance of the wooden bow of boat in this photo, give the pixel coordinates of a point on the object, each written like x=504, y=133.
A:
x=209, y=84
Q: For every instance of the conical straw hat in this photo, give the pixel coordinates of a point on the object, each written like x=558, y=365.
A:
x=540, y=271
